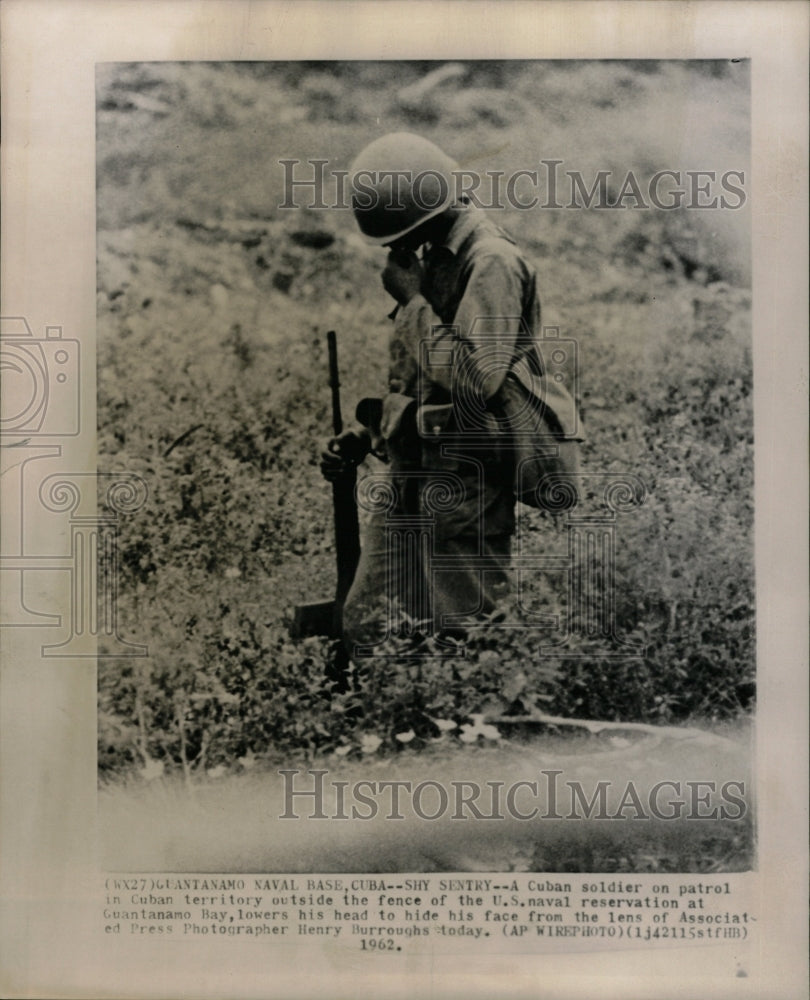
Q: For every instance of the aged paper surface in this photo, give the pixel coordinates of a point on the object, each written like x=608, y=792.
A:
x=147, y=148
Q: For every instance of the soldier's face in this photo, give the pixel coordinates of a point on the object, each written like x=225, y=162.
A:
x=410, y=242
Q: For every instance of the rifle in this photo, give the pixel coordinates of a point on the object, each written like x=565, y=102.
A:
x=326, y=617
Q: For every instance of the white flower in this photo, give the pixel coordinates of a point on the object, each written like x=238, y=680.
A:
x=370, y=743
x=405, y=737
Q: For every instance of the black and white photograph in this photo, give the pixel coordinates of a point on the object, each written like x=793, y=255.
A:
x=437, y=377
x=401, y=557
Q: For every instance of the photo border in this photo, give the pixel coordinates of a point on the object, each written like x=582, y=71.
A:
x=50, y=880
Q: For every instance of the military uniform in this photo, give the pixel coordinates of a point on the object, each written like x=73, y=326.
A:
x=441, y=427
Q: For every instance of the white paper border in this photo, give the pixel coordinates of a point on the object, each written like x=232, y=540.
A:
x=49, y=50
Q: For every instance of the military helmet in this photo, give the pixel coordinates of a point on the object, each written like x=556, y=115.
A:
x=398, y=182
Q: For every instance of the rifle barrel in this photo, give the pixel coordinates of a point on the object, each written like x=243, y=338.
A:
x=334, y=382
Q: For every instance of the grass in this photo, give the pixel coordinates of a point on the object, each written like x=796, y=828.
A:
x=233, y=823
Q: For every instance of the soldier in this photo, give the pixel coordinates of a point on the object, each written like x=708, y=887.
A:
x=467, y=313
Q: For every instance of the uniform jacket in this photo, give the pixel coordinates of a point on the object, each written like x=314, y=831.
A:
x=477, y=318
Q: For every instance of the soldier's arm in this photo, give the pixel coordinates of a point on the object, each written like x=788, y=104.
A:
x=482, y=338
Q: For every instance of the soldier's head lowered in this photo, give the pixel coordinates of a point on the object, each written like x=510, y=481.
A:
x=401, y=186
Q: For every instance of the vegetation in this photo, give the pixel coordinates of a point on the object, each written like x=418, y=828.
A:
x=213, y=305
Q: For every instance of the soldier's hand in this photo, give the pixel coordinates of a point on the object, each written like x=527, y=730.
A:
x=402, y=276
x=344, y=453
